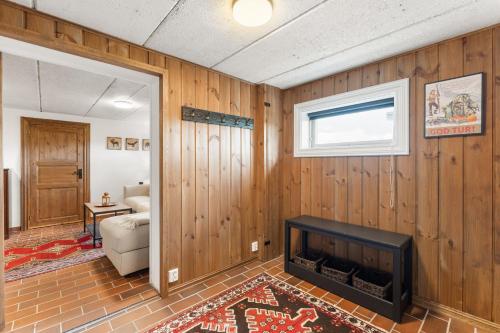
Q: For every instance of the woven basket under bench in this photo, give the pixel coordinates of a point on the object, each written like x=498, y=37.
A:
x=374, y=282
x=338, y=269
x=309, y=260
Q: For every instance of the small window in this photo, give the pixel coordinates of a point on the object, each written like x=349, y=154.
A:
x=369, y=121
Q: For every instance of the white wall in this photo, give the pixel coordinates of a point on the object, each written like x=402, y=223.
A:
x=110, y=170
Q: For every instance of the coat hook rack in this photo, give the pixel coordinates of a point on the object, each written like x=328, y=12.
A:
x=215, y=118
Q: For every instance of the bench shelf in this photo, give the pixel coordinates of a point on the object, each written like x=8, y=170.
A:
x=400, y=246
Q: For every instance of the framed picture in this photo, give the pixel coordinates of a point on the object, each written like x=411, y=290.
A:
x=146, y=144
x=132, y=144
x=455, y=107
x=114, y=143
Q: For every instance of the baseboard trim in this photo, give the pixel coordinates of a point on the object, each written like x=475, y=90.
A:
x=190, y=283
x=451, y=312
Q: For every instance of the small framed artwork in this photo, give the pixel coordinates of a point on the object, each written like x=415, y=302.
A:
x=146, y=144
x=132, y=144
x=455, y=107
x=114, y=143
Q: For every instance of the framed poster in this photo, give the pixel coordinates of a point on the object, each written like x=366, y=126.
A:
x=454, y=107
x=132, y=144
x=114, y=143
x=146, y=144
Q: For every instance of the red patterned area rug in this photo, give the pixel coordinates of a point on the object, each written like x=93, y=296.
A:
x=35, y=252
x=264, y=305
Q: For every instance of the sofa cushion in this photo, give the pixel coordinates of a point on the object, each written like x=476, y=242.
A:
x=138, y=203
x=121, y=239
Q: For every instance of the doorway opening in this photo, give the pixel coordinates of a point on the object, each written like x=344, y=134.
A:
x=80, y=147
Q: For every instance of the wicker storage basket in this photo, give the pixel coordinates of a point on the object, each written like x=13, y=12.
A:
x=338, y=269
x=308, y=259
x=374, y=282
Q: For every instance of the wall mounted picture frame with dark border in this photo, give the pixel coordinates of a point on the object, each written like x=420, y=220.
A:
x=114, y=143
x=455, y=106
x=146, y=144
x=132, y=144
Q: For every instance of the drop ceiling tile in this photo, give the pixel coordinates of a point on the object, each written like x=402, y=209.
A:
x=131, y=20
x=336, y=27
x=119, y=90
x=20, y=83
x=205, y=33
x=68, y=90
x=479, y=14
x=142, y=115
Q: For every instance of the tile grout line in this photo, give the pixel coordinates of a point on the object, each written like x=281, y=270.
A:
x=423, y=321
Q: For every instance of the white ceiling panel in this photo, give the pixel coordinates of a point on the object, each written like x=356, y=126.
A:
x=20, y=83
x=119, y=90
x=142, y=115
x=478, y=14
x=205, y=33
x=131, y=20
x=68, y=90
x=337, y=26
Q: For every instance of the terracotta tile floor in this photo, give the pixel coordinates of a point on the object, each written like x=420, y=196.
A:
x=154, y=311
x=70, y=297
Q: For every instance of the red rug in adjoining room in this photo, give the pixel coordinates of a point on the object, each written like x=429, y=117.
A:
x=34, y=252
x=265, y=304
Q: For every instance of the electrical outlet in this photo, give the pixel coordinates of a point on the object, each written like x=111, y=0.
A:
x=255, y=246
x=173, y=275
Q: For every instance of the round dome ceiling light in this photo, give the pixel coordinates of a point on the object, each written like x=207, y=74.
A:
x=252, y=13
x=123, y=104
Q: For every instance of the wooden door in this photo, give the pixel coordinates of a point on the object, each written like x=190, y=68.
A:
x=55, y=170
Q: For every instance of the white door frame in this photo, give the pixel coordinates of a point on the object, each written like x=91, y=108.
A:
x=27, y=50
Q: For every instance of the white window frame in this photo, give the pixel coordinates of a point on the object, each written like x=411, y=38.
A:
x=399, y=145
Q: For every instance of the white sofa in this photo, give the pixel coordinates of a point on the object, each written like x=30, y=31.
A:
x=137, y=197
x=125, y=238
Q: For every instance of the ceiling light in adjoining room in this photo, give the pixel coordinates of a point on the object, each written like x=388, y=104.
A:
x=252, y=13
x=123, y=104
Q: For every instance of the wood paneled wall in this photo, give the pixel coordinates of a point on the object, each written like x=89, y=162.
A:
x=209, y=179
x=446, y=193
x=211, y=223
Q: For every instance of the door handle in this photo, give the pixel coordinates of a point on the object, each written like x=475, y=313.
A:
x=80, y=173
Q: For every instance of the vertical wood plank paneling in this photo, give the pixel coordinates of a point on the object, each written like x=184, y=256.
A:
x=12, y=16
x=427, y=173
x=496, y=174
x=451, y=166
x=41, y=25
x=406, y=165
x=387, y=178
x=95, y=41
x=273, y=152
x=215, y=219
x=173, y=162
x=202, y=182
x=478, y=188
x=225, y=173
x=355, y=179
x=316, y=163
x=316, y=175
x=188, y=176
x=341, y=178
x=246, y=176
x=305, y=94
x=370, y=175
x=118, y=48
x=328, y=177
x=287, y=100
x=235, y=230
x=139, y=54
x=69, y=33
x=156, y=59
x=252, y=228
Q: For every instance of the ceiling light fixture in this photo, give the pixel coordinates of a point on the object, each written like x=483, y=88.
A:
x=252, y=13
x=123, y=104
